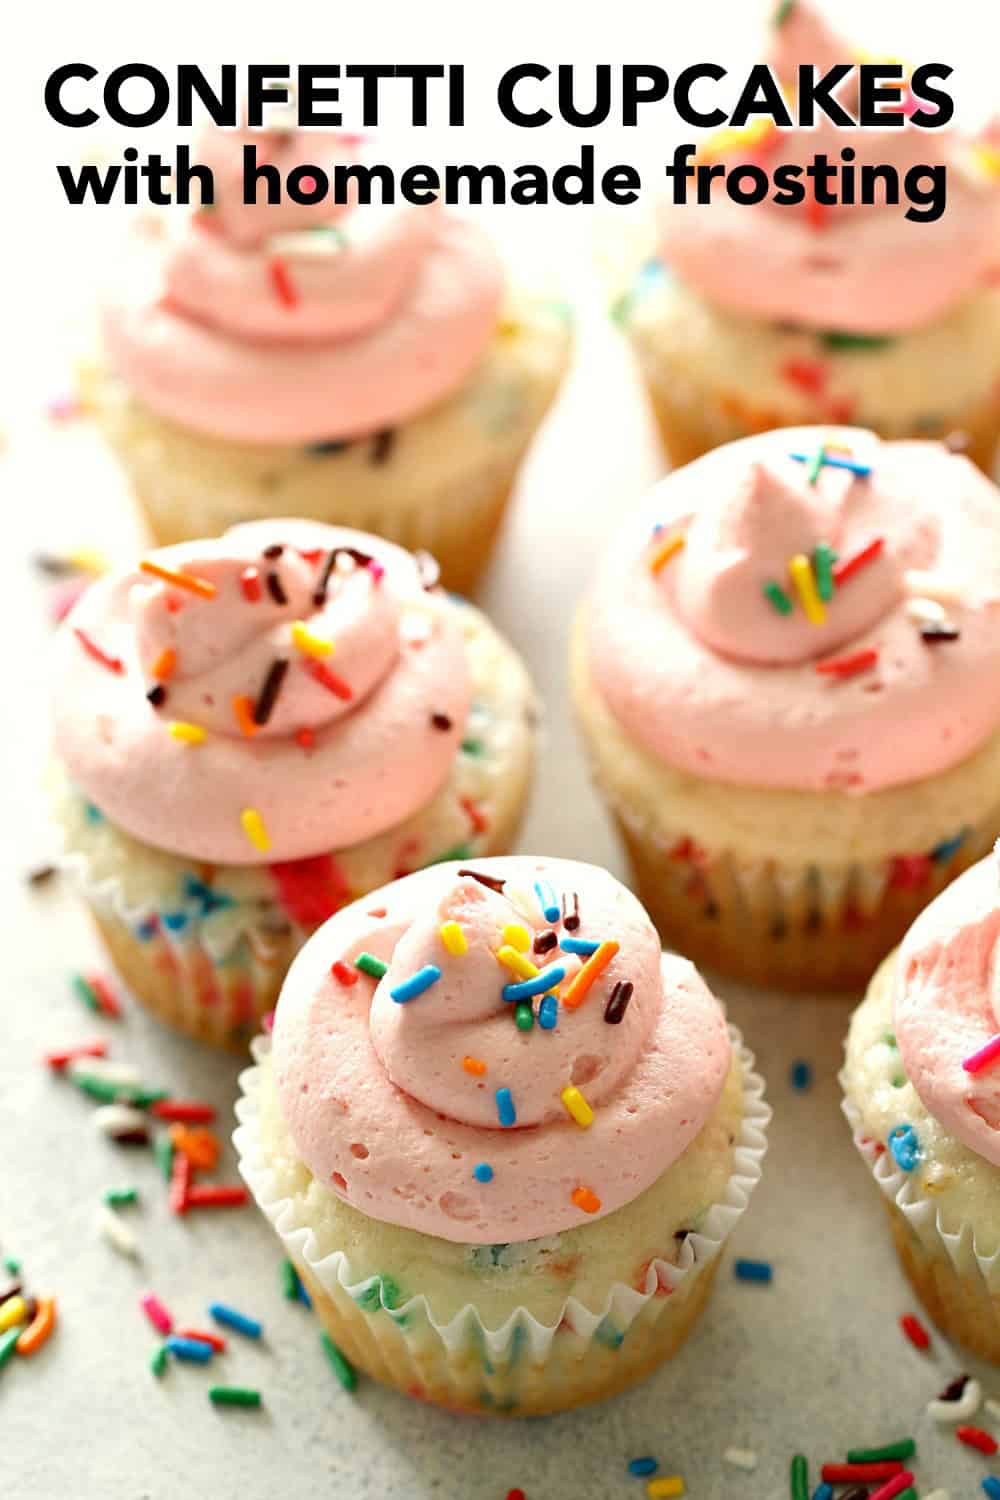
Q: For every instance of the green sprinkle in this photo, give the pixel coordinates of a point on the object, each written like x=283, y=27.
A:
x=899, y=1082
x=370, y=965
x=856, y=342
x=142, y=1098
x=783, y=12
x=775, y=594
x=799, y=1478
x=158, y=1361
x=908, y=1494
x=289, y=1281
x=458, y=851
x=163, y=1150
x=7, y=1342
x=904, y=1448
x=233, y=1395
x=823, y=560
x=815, y=466
x=12, y=1264
x=524, y=1016
x=86, y=992
x=890, y=1039
x=98, y=1088
x=620, y=309
x=472, y=747
x=343, y=1370
x=121, y=1197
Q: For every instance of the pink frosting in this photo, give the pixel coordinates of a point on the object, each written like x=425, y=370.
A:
x=338, y=760
x=855, y=269
x=703, y=671
x=379, y=1102
x=292, y=324
x=947, y=1006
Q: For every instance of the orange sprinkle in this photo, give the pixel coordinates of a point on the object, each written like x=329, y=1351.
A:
x=665, y=551
x=579, y=987
x=163, y=666
x=199, y=586
x=39, y=1328
x=474, y=1065
x=201, y=1147
x=243, y=709
x=586, y=1198
x=305, y=737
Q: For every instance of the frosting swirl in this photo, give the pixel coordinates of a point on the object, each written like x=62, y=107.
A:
x=398, y=1096
x=294, y=670
x=712, y=660
x=293, y=323
x=849, y=267
x=947, y=1007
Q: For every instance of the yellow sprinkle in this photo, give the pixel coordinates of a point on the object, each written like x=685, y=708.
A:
x=666, y=1488
x=521, y=901
x=453, y=938
x=517, y=936
x=748, y=137
x=309, y=644
x=664, y=552
x=507, y=328
x=804, y=580
x=577, y=1106
x=253, y=827
x=89, y=561
x=988, y=158
x=191, y=734
x=516, y=962
x=14, y=1310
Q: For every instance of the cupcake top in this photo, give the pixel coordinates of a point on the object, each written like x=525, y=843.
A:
x=286, y=690
x=287, y=323
x=947, y=1008
x=497, y=1052
x=809, y=608
x=845, y=267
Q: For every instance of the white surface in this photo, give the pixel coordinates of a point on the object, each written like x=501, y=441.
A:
x=813, y=1363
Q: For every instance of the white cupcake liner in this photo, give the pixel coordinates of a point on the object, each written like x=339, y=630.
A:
x=623, y=1303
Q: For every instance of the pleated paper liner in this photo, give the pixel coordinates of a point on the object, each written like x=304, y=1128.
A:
x=523, y=1367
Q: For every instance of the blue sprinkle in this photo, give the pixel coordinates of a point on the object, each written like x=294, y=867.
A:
x=483, y=1172
x=800, y=1075
x=823, y=1492
x=607, y=1334
x=527, y=989
x=230, y=1318
x=862, y=470
x=147, y=930
x=547, y=900
x=991, y=1486
x=947, y=847
x=303, y=1295
x=505, y=1107
x=905, y=1147
x=193, y=1349
x=643, y=1466
x=94, y=814
x=334, y=445
x=209, y=899
x=548, y=1013
x=174, y=921
x=416, y=984
x=754, y=1270
x=578, y=945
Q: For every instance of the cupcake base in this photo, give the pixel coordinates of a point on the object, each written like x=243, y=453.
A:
x=961, y=1306
x=574, y=1372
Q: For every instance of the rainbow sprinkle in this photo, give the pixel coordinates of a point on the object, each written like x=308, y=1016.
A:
x=776, y=596
x=539, y=985
x=306, y=641
x=580, y=986
x=984, y=1057
x=453, y=938
x=547, y=900
x=416, y=985
x=253, y=826
x=199, y=586
x=662, y=555
x=188, y=734
x=506, y=1113
x=800, y=569
x=577, y=1107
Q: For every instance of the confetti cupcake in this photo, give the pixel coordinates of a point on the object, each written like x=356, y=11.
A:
x=368, y=366
x=501, y=1136
x=923, y=1100
x=788, y=678
x=752, y=316
x=251, y=732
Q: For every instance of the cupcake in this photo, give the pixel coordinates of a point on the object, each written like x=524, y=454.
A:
x=753, y=316
x=251, y=732
x=364, y=365
x=501, y=1136
x=788, y=678
x=923, y=1099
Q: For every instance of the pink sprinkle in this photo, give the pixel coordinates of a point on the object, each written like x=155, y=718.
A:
x=982, y=1059
x=894, y=1486
x=267, y=1020
x=376, y=569
x=156, y=1313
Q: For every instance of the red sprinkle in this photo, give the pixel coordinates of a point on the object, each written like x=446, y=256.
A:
x=915, y=1331
x=106, y=997
x=344, y=973
x=180, y=1182
x=212, y=1196
x=975, y=1437
x=305, y=737
x=312, y=889
x=808, y=374
x=861, y=1473
x=322, y=674
x=894, y=1487
x=188, y=1111
x=515, y=1494
x=848, y=566
x=909, y=871
x=848, y=666
x=282, y=283
x=219, y=1345
x=480, y=822
x=113, y=663
x=58, y=1060
x=250, y=584
x=816, y=213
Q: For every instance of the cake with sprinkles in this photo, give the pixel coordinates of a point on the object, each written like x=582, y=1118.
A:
x=367, y=365
x=756, y=315
x=501, y=1135
x=251, y=732
x=787, y=675
x=921, y=1082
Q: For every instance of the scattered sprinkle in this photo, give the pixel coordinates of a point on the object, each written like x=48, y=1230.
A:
x=800, y=1075
x=740, y=1458
x=902, y=1448
x=846, y=567
x=332, y=681
x=987, y=1054
x=915, y=1331
x=618, y=1000
x=776, y=596
x=156, y=1313
x=940, y=633
x=548, y=1013
x=253, y=826
x=852, y=665
x=342, y=1367
x=117, y=1233
x=580, y=986
x=978, y=1438
x=454, y=939
x=539, y=985
x=517, y=937
x=905, y=1147
x=516, y=962
x=800, y=569
x=547, y=900
x=239, y=1322
x=243, y=714
x=281, y=281
x=264, y=706
x=483, y=1172
x=643, y=1466
x=667, y=1488
x=579, y=945
x=306, y=641
x=506, y=1113
x=199, y=586
x=194, y=1351
x=662, y=555
x=416, y=985
x=188, y=734
x=474, y=1066
x=754, y=1270
x=112, y=663
x=577, y=1107
x=799, y=1478
x=233, y=1395
x=370, y=965
x=524, y=1016
x=586, y=1199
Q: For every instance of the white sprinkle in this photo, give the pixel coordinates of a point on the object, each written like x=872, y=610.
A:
x=993, y=1407
x=740, y=1458
x=925, y=611
x=938, y=1495
x=117, y=1232
x=120, y=1074
x=118, y=1119
x=932, y=586
x=306, y=245
x=958, y=1411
